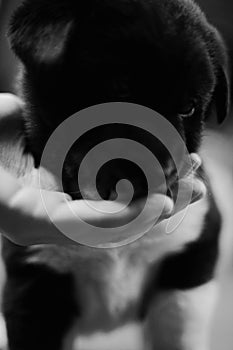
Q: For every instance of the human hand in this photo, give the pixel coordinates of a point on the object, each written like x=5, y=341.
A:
x=32, y=216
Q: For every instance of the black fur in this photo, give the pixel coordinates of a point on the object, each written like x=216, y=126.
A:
x=192, y=267
x=39, y=304
x=161, y=54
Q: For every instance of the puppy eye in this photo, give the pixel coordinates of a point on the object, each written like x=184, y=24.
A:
x=188, y=111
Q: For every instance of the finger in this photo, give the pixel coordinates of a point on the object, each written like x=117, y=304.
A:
x=9, y=186
x=10, y=105
x=101, y=227
x=191, y=190
x=24, y=218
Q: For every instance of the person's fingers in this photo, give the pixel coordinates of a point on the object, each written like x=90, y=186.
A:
x=56, y=219
x=36, y=202
x=9, y=186
x=45, y=216
x=191, y=190
x=113, y=213
x=28, y=215
x=24, y=216
x=107, y=224
x=10, y=105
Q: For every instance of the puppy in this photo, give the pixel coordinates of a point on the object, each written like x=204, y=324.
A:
x=162, y=54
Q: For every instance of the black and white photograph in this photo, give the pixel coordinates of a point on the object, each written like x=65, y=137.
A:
x=116, y=175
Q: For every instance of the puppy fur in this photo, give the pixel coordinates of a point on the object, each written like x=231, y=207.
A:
x=162, y=54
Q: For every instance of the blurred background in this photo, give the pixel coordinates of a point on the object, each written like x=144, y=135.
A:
x=217, y=151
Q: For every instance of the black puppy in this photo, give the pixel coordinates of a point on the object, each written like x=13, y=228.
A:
x=162, y=54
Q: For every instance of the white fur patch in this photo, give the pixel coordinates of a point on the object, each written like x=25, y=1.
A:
x=128, y=337
x=181, y=319
x=112, y=280
x=3, y=334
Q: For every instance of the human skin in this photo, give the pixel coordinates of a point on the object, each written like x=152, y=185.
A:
x=24, y=217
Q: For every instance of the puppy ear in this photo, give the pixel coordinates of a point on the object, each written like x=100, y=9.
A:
x=222, y=95
x=38, y=33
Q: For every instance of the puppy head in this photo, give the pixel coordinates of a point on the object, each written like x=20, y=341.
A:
x=162, y=54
